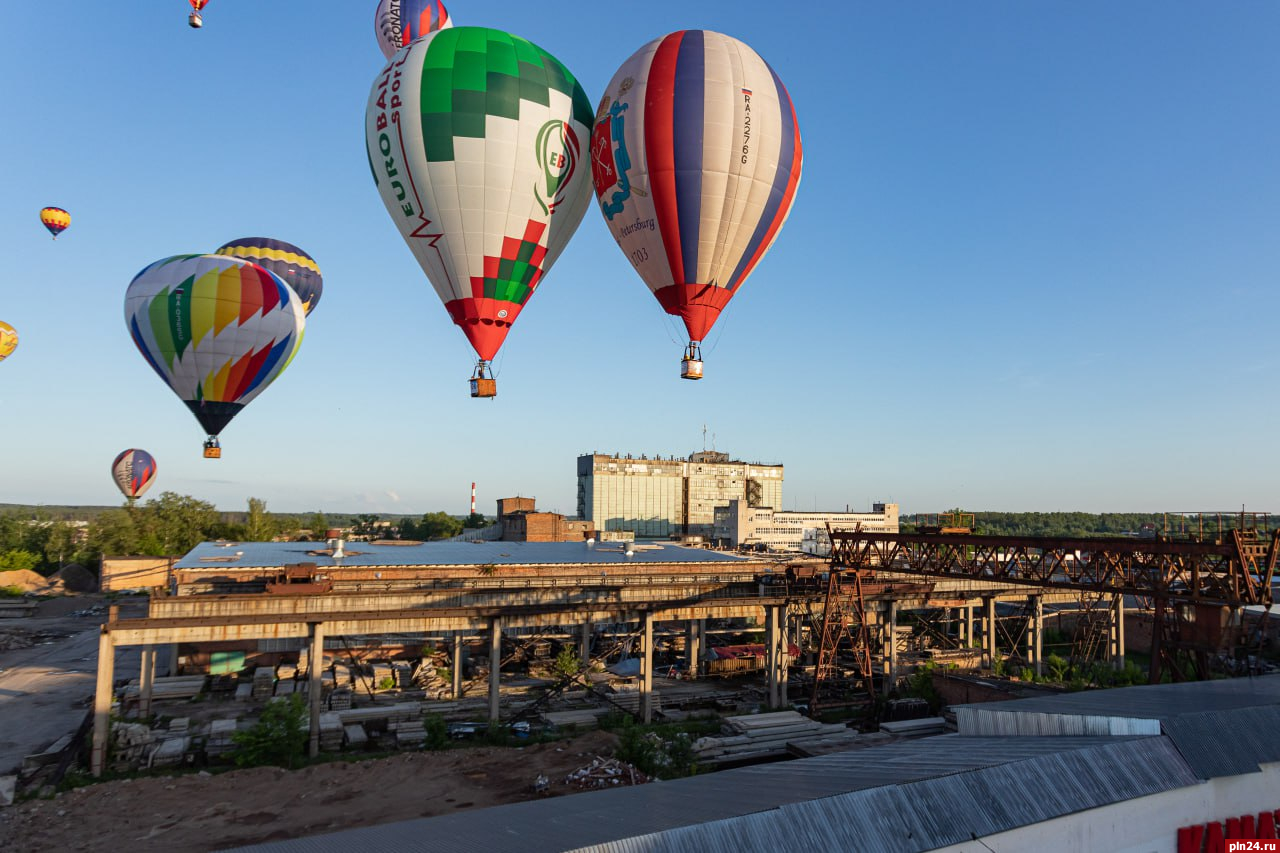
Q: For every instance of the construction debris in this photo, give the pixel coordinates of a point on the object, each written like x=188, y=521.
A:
x=605, y=773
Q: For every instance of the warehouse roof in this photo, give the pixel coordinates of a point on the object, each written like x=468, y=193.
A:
x=221, y=555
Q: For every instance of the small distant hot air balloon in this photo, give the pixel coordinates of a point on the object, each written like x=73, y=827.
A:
x=55, y=219
x=194, y=18
x=296, y=267
x=218, y=331
x=8, y=340
x=477, y=141
x=399, y=22
x=695, y=157
x=133, y=471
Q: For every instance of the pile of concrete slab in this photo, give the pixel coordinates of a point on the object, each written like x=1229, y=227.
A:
x=219, y=741
x=915, y=728
x=173, y=687
x=264, y=683
x=758, y=736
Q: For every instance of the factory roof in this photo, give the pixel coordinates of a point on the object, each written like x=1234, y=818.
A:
x=222, y=555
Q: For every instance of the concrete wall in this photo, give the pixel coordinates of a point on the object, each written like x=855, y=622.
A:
x=121, y=573
x=1145, y=824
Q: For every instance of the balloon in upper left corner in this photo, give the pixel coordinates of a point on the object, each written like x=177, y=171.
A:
x=8, y=340
x=398, y=22
x=133, y=470
x=55, y=219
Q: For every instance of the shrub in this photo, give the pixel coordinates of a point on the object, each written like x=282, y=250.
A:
x=278, y=738
x=11, y=591
x=437, y=732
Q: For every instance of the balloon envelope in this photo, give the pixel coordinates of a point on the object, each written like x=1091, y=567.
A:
x=55, y=219
x=298, y=269
x=8, y=340
x=217, y=330
x=476, y=138
x=695, y=158
x=133, y=471
x=398, y=22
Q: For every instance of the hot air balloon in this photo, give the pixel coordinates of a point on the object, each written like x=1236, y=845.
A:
x=398, y=22
x=194, y=19
x=296, y=267
x=55, y=219
x=217, y=329
x=8, y=340
x=476, y=141
x=695, y=157
x=133, y=472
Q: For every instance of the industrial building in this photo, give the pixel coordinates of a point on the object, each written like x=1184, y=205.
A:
x=661, y=498
x=520, y=521
x=741, y=526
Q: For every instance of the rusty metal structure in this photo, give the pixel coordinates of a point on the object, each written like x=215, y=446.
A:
x=1193, y=584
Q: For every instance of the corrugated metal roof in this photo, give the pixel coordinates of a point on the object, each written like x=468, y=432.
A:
x=1146, y=702
x=224, y=555
x=1227, y=743
x=618, y=818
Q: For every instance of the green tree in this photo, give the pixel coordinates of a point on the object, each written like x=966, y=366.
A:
x=318, y=525
x=365, y=523
x=279, y=737
x=16, y=560
x=475, y=521
x=260, y=526
x=181, y=521
x=438, y=525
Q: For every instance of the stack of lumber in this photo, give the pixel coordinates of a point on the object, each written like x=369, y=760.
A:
x=342, y=674
x=264, y=680
x=219, y=741
x=757, y=736
x=175, y=687
x=382, y=674
x=287, y=671
x=915, y=728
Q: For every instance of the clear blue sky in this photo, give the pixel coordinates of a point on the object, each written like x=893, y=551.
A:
x=1032, y=265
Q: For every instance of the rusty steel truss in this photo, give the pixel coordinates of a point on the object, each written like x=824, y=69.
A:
x=1189, y=582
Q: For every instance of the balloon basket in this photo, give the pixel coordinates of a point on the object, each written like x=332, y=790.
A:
x=691, y=364
x=196, y=22
x=482, y=382
x=212, y=450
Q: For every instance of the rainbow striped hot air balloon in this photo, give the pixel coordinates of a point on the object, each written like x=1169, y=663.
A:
x=55, y=219
x=8, y=340
x=133, y=470
x=696, y=158
x=298, y=269
x=218, y=330
x=399, y=22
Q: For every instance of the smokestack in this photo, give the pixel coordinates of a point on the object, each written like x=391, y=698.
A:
x=473, y=498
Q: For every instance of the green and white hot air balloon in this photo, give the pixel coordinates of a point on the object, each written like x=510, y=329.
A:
x=478, y=144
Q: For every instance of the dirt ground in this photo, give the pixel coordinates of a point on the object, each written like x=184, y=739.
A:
x=196, y=812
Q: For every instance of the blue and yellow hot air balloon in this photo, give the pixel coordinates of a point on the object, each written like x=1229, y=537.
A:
x=218, y=330
x=8, y=340
x=298, y=269
x=55, y=219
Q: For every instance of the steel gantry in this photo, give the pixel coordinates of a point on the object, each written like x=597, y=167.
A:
x=1191, y=584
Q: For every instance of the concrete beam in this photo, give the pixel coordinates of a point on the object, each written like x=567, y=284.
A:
x=771, y=653
x=495, y=668
x=315, y=672
x=146, y=680
x=646, y=669
x=457, y=666
x=102, y=703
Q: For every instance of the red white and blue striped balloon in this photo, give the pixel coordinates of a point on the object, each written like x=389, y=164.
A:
x=133, y=470
x=695, y=158
x=399, y=22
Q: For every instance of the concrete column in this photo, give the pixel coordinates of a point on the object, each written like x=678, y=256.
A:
x=457, y=666
x=315, y=669
x=892, y=633
x=693, y=646
x=1117, y=630
x=771, y=652
x=1038, y=624
x=968, y=626
x=146, y=680
x=646, y=669
x=586, y=644
x=495, y=667
x=784, y=665
x=173, y=659
x=102, y=703
x=989, y=631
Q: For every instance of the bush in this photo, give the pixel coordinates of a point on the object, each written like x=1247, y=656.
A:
x=567, y=664
x=278, y=738
x=11, y=591
x=437, y=732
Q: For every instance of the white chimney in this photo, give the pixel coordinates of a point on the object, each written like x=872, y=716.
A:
x=336, y=546
x=630, y=549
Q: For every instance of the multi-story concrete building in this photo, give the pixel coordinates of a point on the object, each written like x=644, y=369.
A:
x=670, y=497
x=740, y=525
